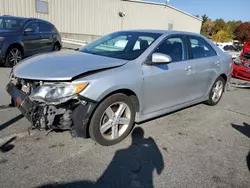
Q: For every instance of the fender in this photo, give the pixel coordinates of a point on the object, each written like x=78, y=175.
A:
x=81, y=116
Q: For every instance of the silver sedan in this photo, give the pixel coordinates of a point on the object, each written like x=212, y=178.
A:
x=121, y=79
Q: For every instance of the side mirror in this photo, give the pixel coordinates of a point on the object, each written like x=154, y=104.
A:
x=159, y=58
x=28, y=30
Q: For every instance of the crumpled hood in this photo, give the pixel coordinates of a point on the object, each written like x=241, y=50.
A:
x=62, y=66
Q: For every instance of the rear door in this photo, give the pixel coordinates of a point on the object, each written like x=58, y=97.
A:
x=31, y=38
x=206, y=64
x=46, y=36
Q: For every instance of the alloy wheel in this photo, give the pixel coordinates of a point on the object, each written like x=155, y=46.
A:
x=15, y=56
x=115, y=121
x=217, y=91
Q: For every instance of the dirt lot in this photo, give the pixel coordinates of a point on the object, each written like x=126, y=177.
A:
x=200, y=146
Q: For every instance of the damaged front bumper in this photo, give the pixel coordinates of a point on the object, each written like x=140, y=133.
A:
x=72, y=115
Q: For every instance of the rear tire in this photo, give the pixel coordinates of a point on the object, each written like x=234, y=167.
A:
x=56, y=47
x=216, y=92
x=112, y=120
x=13, y=57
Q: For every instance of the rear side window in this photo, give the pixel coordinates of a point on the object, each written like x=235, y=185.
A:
x=44, y=27
x=199, y=48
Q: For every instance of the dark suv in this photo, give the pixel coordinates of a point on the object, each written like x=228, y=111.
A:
x=22, y=37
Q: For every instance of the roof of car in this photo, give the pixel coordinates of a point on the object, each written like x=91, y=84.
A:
x=23, y=18
x=16, y=17
x=162, y=31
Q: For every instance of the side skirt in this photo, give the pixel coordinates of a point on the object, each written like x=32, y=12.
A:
x=143, y=117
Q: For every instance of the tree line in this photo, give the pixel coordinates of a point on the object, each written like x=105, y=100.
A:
x=221, y=31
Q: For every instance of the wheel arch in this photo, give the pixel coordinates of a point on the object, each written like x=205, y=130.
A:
x=131, y=94
x=82, y=128
x=224, y=76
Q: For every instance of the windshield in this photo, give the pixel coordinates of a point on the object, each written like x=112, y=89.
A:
x=11, y=23
x=121, y=45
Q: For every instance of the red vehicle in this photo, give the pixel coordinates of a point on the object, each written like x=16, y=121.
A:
x=241, y=65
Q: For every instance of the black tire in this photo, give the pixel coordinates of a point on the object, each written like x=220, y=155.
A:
x=210, y=101
x=56, y=47
x=8, y=62
x=94, y=126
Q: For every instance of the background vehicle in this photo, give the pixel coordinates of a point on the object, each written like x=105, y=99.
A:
x=21, y=37
x=233, y=54
x=241, y=65
x=106, y=86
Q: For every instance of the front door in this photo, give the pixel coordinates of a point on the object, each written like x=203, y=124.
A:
x=206, y=65
x=168, y=85
x=32, y=39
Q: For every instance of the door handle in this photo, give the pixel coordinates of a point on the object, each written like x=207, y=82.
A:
x=217, y=63
x=189, y=68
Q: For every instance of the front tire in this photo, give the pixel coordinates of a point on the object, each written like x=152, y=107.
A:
x=216, y=92
x=13, y=57
x=112, y=120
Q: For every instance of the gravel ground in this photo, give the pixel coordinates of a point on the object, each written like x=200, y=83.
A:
x=200, y=146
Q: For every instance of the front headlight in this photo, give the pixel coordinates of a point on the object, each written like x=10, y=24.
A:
x=2, y=39
x=57, y=92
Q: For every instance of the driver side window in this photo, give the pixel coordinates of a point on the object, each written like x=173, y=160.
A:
x=33, y=26
x=174, y=47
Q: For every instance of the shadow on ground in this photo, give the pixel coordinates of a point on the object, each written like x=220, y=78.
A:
x=248, y=161
x=7, y=146
x=130, y=167
x=10, y=122
x=245, y=129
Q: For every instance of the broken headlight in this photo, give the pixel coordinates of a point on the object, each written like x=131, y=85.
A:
x=237, y=61
x=56, y=92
